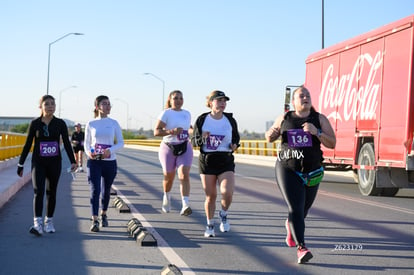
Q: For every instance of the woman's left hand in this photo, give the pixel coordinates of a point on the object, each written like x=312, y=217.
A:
x=233, y=147
x=106, y=154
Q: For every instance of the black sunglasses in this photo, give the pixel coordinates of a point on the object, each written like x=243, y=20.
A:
x=45, y=131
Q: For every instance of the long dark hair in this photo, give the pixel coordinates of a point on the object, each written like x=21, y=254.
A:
x=43, y=99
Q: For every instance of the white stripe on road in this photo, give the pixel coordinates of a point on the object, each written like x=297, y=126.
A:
x=367, y=202
x=348, y=198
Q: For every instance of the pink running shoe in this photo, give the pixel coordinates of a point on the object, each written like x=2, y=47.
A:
x=289, y=240
x=304, y=255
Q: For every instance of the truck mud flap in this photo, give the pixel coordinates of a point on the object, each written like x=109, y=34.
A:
x=393, y=177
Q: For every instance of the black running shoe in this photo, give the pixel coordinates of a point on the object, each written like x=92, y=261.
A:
x=95, y=226
x=104, y=221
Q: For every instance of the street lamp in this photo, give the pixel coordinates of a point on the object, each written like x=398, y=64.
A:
x=48, y=58
x=323, y=24
x=60, y=96
x=127, y=111
x=163, y=87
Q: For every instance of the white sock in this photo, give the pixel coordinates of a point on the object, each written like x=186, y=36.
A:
x=223, y=213
x=210, y=222
x=37, y=221
x=185, y=200
x=168, y=195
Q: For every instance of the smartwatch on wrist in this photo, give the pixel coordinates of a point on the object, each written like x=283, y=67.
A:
x=319, y=133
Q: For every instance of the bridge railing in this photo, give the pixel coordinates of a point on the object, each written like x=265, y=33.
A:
x=248, y=147
x=11, y=145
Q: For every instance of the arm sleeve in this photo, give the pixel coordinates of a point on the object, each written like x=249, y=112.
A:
x=87, y=141
x=28, y=144
x=66, y=142
x=119, y=138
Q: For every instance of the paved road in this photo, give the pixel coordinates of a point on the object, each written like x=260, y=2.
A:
x=347, y=233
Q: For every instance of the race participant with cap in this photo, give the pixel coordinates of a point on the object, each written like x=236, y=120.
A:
x=217, y=135
x=78, y=138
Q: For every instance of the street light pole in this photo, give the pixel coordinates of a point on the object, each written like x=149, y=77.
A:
x=48, y=57
x=127, y=111
x=60, y=96
x=163, y=87
x=323, y=24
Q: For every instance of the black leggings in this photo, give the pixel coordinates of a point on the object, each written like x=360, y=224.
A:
x=298, y=197
x=45, y=178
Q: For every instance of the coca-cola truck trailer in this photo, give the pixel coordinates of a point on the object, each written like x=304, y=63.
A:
x=365, y=86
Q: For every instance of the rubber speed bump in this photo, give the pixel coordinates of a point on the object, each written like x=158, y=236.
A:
x=132, y=225
x=171, y=270
x=116, y=201
x=121, y=205
x=145, y=238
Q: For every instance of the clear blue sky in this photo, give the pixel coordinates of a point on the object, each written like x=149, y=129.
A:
x=250, y=49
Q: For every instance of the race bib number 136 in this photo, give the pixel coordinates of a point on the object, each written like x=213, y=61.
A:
x=299, y=138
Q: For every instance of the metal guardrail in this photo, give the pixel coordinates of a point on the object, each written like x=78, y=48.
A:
x=11, y=145
x=247, y=147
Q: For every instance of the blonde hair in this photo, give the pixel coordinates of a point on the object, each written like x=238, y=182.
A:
x=208, y=98
x=303, y=88
x=168, y=102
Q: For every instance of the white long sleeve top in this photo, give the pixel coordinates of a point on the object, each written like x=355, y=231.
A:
x=102, y=133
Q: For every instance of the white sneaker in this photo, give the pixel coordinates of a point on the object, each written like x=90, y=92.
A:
x=186, y=211
x=209, y=231
x=37, y=228
x=80, y=169
x=224, y=225
x=165, y=204
x=49, y=227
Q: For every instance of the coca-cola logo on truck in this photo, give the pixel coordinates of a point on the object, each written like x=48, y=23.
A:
x=339, y=97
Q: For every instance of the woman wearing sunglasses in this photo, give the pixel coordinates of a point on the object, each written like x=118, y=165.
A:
x=47, y=131
x=103, y=138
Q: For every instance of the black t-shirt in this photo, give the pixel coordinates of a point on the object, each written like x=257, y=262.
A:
x=79, y=137
x=299, y=158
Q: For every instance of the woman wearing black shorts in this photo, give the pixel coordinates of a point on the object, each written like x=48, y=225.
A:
x=47, y=131
x=78, y=138
x=216, y=134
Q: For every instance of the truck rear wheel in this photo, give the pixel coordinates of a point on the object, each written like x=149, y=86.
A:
x=366, y=178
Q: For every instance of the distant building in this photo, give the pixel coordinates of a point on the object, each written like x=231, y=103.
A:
x=8, y=122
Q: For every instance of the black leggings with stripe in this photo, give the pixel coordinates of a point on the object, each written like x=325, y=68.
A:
x=45, y=178
x=299, y=199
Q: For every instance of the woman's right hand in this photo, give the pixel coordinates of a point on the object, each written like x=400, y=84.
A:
x=273, y=133
x=20, y=171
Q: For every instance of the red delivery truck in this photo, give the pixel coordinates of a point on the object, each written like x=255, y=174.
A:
x=365, y=86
